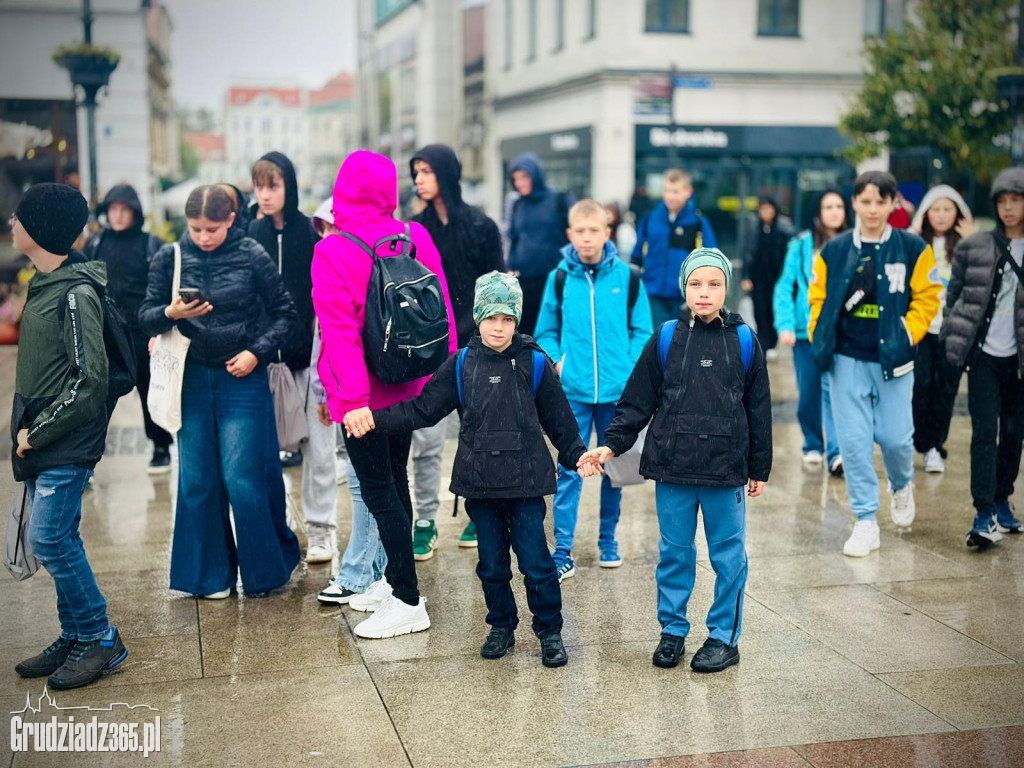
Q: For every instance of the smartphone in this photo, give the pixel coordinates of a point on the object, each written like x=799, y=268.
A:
x=188, y=295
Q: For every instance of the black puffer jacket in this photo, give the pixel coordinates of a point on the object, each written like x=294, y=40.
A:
x=502, y=453
x=239, y=280
x=712, y=421
x=974, y=285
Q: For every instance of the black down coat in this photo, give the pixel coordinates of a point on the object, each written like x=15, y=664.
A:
x=711, y=421
x=502, y=453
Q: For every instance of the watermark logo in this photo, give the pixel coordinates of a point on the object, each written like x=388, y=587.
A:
x=75, y=733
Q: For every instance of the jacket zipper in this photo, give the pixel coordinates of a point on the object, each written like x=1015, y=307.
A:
x=522, y=428
x=593, y=334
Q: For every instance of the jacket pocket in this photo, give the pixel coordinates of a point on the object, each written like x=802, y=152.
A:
x=705, y=445
x=497, y=460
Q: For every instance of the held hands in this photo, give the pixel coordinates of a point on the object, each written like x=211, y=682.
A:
x=755, y=488
x=359, y=422
x=23, y=443
x=179, y=310
x=242, y=364
x=591, y=461
x=788, y=338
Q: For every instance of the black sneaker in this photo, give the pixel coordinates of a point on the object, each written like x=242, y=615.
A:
x=669, y=652
x=500, y=641
x=332, y=594
x=552, y=651
x=160, y=464
x=88, y=660
x=714, y=656
x=290, y=459
x=47, y=662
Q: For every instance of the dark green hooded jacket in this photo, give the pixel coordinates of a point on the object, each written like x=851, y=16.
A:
x=61, y=382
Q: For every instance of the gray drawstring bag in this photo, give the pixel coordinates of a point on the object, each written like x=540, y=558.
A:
x=18, y=556
x=625, y=469
x=290, y=415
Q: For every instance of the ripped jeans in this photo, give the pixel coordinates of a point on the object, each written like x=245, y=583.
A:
x=56, y=496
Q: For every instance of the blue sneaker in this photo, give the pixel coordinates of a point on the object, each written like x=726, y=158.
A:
x=1004, y=518
x=984, y=533
x=565, y=567
x=609, y=554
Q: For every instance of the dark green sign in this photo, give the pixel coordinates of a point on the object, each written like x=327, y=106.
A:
x=386, y=9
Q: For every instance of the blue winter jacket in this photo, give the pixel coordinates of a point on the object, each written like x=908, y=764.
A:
x=592, y=337
x=790, y=303
x=537, y=224
x=661, y=262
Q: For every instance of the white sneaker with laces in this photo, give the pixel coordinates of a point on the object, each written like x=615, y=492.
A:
x=372, y=598
x=813, y=458
x=864, y=540
x=901, y=506
x=320, y=549
x=933, y=461
x=395, y=618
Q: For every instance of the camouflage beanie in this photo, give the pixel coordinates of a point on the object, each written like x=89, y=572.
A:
x=497, y=293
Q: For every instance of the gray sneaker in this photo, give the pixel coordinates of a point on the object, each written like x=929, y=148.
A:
x=88, y=660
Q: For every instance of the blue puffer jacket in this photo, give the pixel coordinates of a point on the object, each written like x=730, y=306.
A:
x=790, y=302
x=591, y=335
x=662, y=247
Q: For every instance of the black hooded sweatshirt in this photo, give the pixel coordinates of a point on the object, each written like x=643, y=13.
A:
x=470, y=244
x=769, y=253
x=127, y=254
x=295, y=259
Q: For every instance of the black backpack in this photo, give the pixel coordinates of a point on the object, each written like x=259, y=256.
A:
x=405, y=335
x=117, y=340
x=631, y=297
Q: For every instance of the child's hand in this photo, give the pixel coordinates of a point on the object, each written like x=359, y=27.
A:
x=966, y=228
x=590, y=469
x=242, y=364
x=598, y=456
x=23, y=443
x=788, y=338
x=755, y=488
x=324, y=414
x=179, y=310
x=359, y=422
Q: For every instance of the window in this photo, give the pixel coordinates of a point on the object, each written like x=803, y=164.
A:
x=667, y=16
x=778, y=18
x=559, y=24
x=882, y=15
x=591, y=19
x=531, y=34
x=509, y=19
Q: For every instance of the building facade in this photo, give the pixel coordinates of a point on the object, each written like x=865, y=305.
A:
x=609, y=95
x=332, y=131
x=260, y=119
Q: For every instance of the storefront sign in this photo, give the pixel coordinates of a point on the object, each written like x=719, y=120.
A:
x=683, y=137
x=752, y=140
x=572, y=141
x=565, y=142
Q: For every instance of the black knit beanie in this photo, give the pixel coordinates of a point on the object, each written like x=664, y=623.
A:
x=54, y=215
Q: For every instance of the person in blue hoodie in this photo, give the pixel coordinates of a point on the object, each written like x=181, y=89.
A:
x=591, y=289
x=663, y=241
x=536, y=231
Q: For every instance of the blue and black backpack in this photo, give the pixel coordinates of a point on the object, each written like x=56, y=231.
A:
x=743, y=330
x=538, y=372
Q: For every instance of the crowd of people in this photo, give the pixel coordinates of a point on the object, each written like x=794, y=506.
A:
x=561, y=337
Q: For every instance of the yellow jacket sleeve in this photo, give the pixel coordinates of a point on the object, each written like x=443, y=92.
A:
x=816, y=293
x=925, y=289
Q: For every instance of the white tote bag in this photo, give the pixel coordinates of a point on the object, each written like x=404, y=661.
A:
x=167, y=367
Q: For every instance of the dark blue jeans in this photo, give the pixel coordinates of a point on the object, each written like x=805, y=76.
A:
x=223, y=456
x=56, y=496
x=518, y=524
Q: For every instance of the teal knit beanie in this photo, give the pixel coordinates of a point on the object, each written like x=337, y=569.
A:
x=497, y=293
x=704, y=257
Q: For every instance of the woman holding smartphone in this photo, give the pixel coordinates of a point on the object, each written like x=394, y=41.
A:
x=227, y=281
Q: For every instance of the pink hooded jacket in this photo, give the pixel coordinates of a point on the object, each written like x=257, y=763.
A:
x=365, y=195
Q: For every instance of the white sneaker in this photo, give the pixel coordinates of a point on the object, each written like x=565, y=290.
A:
x=864, y=539
x=395, y=618
x=320, y=549
x=813, y=458
x=224, y=593
x=901, y=506
x=371, y=599
x=342, y=472
x=933, y=461
x=772, y=354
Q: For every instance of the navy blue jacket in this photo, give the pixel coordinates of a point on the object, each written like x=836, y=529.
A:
x=538, y=223
x=661, y=248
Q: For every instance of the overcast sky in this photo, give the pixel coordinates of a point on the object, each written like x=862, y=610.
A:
x=216, y=43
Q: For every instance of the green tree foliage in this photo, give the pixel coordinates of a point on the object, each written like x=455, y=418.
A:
x=189, y=160
x=931, y=85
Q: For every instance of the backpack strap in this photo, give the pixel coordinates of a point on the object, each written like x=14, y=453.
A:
x=460, y=367
x=360, y=243
x=539, y=363
x=634, y=291
x=665, y=339
x=746, y=345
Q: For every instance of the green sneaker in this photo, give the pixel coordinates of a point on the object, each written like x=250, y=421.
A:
x=424, y=539
x=468, y=537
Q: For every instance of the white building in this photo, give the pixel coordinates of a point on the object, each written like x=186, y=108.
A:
x=758, y=90
x=260, y=119
x=137, y=139
x=209, y=150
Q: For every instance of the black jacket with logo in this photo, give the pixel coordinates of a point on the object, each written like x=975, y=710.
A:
x=711, y=421
x=502, y=453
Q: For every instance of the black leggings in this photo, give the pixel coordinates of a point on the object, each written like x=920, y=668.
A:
x=995, y=398
x=935, y=387
x=379, y=459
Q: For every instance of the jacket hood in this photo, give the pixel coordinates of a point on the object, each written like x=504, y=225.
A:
x=291, y=184
x=447, y=169
x=728, y=318
x=520, y=341
x=934, y=195
x=123, y=193
x=573, y=261
x=73, y=270
x=366, y=187
x=529, y=163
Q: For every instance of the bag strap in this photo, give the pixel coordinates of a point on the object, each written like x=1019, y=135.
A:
x=746, y=346
x=539, y=363
x=280, y=255
x=1017, y=269
x=665, y=340
x=634, y=290
x=176, y=280
x=460, y=366
x=360, y=243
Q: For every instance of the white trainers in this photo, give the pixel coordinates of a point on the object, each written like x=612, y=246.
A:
x=901, y=506
x=342, y=471
x=320, y=549
x=394, y=618
x=813, y=458
x=371, y=599
x=222, y=595
x=864, y=540
x=933, y=461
